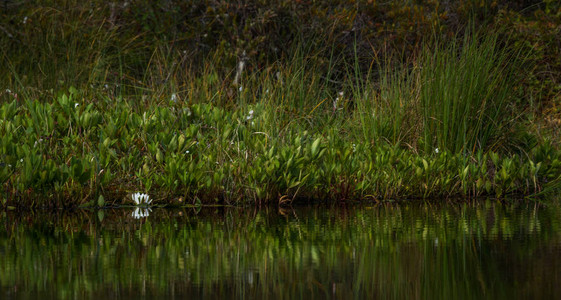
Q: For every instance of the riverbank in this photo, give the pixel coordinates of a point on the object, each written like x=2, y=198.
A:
x=102, y=108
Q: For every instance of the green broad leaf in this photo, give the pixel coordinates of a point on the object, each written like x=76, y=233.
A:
x=479, y=183
x=181, y=142
x=315, y=147
x=72, y=90
x=425, y=164
x=159, y=156
x=172, y=146
x=271, y=152
x=494, y=158
x=289, y=162
x=465, y=171
x=294, y=184
x=100, y=202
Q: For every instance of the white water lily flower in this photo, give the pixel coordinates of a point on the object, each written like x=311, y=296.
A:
x=140, y=198
x=141, y=213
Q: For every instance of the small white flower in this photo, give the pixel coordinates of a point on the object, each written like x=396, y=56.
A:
x=187, y=152
x=24, y=20
x=174, y=97
x=240, y=88
x=140, y=198
x=250, y=116
x=37, y=142
x=76, y=105
x=436, y=150
x=21, y=160
x=8, y=91
x=106, y=86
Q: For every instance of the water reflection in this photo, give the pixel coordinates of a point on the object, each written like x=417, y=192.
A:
x=141, y=212
x=477, y=251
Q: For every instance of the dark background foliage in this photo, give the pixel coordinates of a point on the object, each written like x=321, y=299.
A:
x=93, y=42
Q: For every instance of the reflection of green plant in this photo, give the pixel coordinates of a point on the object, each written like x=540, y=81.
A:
x=390, y=250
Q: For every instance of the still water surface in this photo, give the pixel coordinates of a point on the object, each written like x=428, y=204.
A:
x=417, y=251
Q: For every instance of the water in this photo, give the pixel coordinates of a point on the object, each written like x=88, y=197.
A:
x=418, y=251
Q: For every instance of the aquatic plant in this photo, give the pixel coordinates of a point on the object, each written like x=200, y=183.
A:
x=141, y=199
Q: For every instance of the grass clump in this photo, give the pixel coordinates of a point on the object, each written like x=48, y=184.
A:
x=457, y=97
x=465, y=94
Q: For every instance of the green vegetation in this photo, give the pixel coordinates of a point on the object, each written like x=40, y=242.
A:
x=230, y=104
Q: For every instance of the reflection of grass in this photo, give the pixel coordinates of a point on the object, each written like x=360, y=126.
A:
x=403, y=251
